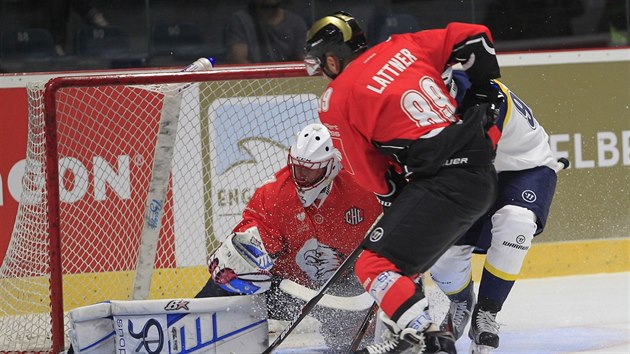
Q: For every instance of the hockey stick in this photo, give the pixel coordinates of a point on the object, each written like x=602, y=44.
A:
x=156, y=196
x=349, y=303
x=562, y=164
x=306, y=309
x=159, y=184
x=364, y=325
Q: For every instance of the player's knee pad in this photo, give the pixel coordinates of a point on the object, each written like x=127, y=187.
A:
x=241, y=264
x=452, y=272
x=513, y=230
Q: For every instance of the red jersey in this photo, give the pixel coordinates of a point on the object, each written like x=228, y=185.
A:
x=309, y=244
x=394, y=93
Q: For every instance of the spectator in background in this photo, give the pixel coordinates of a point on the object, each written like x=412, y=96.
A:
x=265, y=32
x=59, y=14
x=614, y=21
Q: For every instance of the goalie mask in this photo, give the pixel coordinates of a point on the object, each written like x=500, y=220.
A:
x=314, y=163
x=338, y=34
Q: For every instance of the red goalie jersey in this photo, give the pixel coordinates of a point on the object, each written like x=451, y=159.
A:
x=393, y=94
x=310, y=243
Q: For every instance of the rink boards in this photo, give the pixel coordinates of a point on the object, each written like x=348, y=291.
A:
x=544, y=260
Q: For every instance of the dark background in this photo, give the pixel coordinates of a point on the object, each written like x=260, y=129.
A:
x=523, y=25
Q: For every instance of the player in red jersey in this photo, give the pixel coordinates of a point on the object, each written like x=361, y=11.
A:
x=299, y=225
x=404, y=138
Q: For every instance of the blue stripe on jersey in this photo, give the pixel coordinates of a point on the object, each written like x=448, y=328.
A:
x=463, y=84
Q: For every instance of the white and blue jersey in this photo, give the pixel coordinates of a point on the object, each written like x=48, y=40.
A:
x=523, y=144
x=524, y=162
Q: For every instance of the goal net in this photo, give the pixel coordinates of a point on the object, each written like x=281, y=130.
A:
x=132, y=180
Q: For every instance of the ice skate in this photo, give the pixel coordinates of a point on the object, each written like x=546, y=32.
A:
x=461, y=307
x=426, y=339
x=484, y=331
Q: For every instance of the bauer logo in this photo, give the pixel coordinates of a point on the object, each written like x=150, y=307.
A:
x=376, y=235
x=529, y=196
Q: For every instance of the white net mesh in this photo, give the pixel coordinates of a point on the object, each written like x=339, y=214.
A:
x=227, y=137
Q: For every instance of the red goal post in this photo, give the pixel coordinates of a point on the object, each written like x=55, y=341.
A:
x=132, y=180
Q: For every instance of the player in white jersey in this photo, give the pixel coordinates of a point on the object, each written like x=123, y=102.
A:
x=527, y=181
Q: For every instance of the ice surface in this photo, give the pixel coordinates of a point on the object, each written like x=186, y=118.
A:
x=574, y=314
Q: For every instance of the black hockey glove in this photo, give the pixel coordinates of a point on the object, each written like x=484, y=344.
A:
x=487, y=93
x=396, y=183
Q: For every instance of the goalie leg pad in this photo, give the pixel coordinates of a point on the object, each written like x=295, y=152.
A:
x=241, y=264
x=234, y=324
x=513, y=229
x=452, y=272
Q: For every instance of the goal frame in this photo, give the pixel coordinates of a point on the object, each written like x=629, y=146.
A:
x=52, y=157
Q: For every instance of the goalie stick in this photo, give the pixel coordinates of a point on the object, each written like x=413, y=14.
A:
x=348, y=303
x=158, y=185
x=306, y=309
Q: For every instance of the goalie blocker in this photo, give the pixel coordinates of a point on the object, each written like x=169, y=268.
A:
x=211, y=325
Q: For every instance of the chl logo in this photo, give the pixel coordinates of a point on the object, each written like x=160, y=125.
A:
x=354, y=216
x=377, y=234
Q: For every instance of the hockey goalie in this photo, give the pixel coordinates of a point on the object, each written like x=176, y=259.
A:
x=299, y=225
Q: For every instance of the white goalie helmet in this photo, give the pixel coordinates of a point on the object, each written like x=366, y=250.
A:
x=314, y=163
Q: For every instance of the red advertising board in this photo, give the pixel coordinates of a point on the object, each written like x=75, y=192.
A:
x=96, y=217
x=13, y=132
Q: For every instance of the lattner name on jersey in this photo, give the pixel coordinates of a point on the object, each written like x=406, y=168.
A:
x=392, y=69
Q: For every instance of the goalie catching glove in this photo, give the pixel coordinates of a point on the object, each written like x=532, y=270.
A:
x=241, y=264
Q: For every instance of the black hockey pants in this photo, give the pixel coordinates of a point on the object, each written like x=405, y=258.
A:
x=454, y=183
